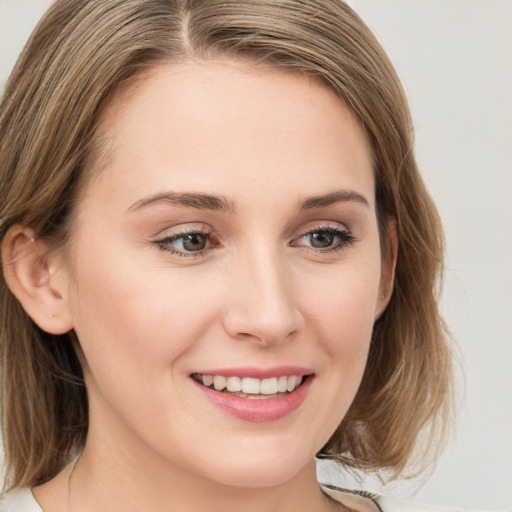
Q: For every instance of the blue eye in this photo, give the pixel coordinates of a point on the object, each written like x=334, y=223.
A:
x=186, y=244
x=192, y=242
x=321, y=239
x=327, y=238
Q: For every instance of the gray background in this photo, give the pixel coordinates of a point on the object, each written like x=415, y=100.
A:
x=454, y=57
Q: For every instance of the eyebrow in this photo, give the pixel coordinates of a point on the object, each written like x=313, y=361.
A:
x=187, y=199
x=338, y=196
x=220, y=203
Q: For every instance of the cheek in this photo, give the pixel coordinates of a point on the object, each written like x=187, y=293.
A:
x=135, y=322
x=343, y=307
x=340, y=319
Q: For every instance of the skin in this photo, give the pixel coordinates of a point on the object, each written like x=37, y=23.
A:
x=259, y=295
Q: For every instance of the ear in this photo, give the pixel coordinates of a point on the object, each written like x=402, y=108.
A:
x=37, y=278
x=387, y=277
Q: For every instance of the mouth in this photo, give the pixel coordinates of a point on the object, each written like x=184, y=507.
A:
x=251, y=387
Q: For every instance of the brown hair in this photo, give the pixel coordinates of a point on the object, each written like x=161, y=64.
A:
x=78, y=57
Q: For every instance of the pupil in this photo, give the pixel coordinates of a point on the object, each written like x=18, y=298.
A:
x=194, y=242
x=322, y=239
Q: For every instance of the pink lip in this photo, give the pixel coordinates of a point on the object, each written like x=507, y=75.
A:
x=259, y=373
x=256, y=409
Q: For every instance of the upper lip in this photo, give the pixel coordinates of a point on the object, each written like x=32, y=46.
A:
x=258, y=373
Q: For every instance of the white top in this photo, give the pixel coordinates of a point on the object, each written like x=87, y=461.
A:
x=19, y=500
x=22, y=500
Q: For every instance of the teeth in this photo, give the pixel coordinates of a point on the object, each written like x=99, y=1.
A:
x=282, y=384
x=234, y=383
x=249, y=385
x=291, y=383
x=219, y=382
x=207, y=380
x=268, y=386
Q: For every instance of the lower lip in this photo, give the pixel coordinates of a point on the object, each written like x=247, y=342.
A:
x=257, y=409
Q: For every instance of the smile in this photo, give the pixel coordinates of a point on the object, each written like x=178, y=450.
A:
x=250, y=387
x=253, y=394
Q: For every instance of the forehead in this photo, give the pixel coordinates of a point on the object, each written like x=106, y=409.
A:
x=207, y=124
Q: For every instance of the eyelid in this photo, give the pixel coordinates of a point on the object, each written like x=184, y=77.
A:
x=323, y=226
x=164, y=238
x=335, y=228
x=184, y=229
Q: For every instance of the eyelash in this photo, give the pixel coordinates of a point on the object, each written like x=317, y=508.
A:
x=345, y=240
x=165, y=244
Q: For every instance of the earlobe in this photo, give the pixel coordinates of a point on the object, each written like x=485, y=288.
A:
x=388, y=270
x=36, y=278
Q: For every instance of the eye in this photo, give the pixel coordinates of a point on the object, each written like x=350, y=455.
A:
x=321, y=239
x=190, y=243
x=325, y=239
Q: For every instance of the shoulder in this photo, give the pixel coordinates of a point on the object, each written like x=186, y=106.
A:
x=388, y=504
x=19, y=500
x=360, y=500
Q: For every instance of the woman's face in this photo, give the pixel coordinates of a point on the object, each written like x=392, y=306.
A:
x=230, y=235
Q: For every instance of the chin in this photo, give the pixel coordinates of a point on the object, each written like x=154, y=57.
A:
x=257, y=477
x=255, y=470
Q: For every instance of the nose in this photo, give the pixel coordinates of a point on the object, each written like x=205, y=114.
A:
x=263, y=306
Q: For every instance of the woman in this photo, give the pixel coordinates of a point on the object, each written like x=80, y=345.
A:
x=212, y=227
